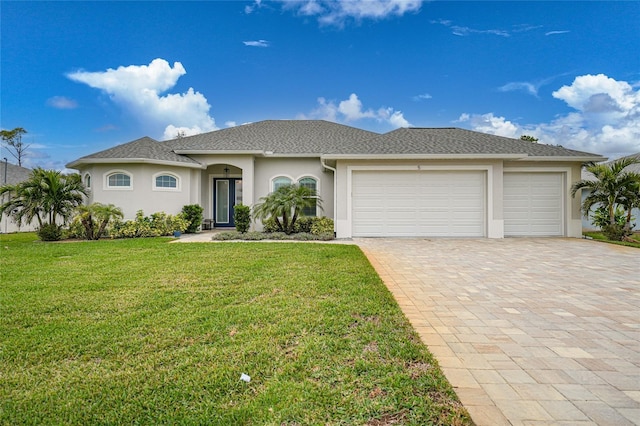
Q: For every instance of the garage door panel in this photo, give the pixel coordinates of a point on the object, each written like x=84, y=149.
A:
x=533, y=204
x=418, y=203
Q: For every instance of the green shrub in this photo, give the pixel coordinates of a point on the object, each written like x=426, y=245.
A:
x=615, y=232
x=270, y=225
x=322, y=225
x=601, y=217
x=304, y=223
x=76, y=229
x=156, y=225
x=242, y=217
x=50, y=232
x=192, y=213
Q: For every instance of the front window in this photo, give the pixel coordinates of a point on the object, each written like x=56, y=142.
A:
x=87, y=181
x=166, y=181
x=312, y=184
x=119, y=180
x=280, y=181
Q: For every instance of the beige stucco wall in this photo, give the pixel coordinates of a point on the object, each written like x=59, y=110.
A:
x=142, y=195
x=268, y=168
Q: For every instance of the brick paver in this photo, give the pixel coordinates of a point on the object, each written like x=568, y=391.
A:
x=528, y=331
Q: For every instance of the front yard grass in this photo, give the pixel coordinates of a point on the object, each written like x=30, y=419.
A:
x=597, y=235
x=145, y=332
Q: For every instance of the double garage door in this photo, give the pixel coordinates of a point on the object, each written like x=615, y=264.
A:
x=452, y=203
x=418, y=203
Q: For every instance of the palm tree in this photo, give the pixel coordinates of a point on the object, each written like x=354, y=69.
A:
x=285, y=204
x=612, y=187
x=631, y=200
x=46, y=195
x=99, y=215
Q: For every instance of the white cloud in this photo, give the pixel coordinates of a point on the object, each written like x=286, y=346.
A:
x=422, y=97
x=256, y=5
x=351, y=109
x=138, y=89
x=524, y=86
x=605, y=120
x=257, y=43
x=337, y=12
x=488, y=123
x=556, y=32
x=61, y=102
x=464, y=31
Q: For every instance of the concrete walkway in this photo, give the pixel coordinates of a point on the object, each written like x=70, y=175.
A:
x=528, y=331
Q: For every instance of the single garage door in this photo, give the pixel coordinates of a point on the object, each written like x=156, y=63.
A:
x=418, y=203
x=533, y=204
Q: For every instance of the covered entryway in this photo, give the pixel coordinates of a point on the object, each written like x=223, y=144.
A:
x=409, y=203
x=533, y=204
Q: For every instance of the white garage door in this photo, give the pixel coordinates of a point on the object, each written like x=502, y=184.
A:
x=418, y=203
x=533, y=204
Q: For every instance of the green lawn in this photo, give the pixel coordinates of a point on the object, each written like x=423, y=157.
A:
x=596, y=235
x=146, y=332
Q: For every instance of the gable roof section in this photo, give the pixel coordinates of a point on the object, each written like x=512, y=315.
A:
x=14, y=174
x=457, y=143
x=143, y=150
x=275, y=137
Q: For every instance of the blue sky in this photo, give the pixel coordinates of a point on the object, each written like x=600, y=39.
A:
x=85, y=76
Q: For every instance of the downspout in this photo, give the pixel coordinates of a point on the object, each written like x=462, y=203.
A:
x=335, y=193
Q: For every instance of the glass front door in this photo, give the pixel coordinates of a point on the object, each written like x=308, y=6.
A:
x=227, y=193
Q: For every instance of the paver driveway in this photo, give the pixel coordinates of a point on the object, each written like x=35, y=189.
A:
x=528, y=331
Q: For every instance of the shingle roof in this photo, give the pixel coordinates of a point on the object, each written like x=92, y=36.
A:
x=15, y=174
x=330, y=140
x=631, y=168
x=448, y=141
x=140, y=149
x=277, y=136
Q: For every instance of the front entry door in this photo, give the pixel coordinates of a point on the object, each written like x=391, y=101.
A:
x=227, y=193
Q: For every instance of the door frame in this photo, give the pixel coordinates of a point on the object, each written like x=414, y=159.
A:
x=232, y=198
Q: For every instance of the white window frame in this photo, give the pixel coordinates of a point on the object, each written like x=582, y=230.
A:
x=107, y=187
x=178, y=187
x=317, y=189
x=87, y=178
x=273, y=181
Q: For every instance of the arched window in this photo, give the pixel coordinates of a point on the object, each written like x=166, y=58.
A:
x=280, y=181
x=166, y=181
x=119, y=180
x=311, y=183
x=87, y=181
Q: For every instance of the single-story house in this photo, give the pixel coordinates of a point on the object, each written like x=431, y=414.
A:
x=587, y=222
x=11, y=174
x=445, y=182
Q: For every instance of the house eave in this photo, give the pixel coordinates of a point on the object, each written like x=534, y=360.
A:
x=423, y=156
x=75, y=164
x=217, y=152
x=576, y=159
x=258, y=153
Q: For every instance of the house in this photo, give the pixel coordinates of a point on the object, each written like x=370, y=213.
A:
x=445, y=182
x=10, y=174
x=587, y=222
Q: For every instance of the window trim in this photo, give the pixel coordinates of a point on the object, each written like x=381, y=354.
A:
x=87, y=180
x=273, y=181
x=108, y=187
x=178, y=187
x=317, y=189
